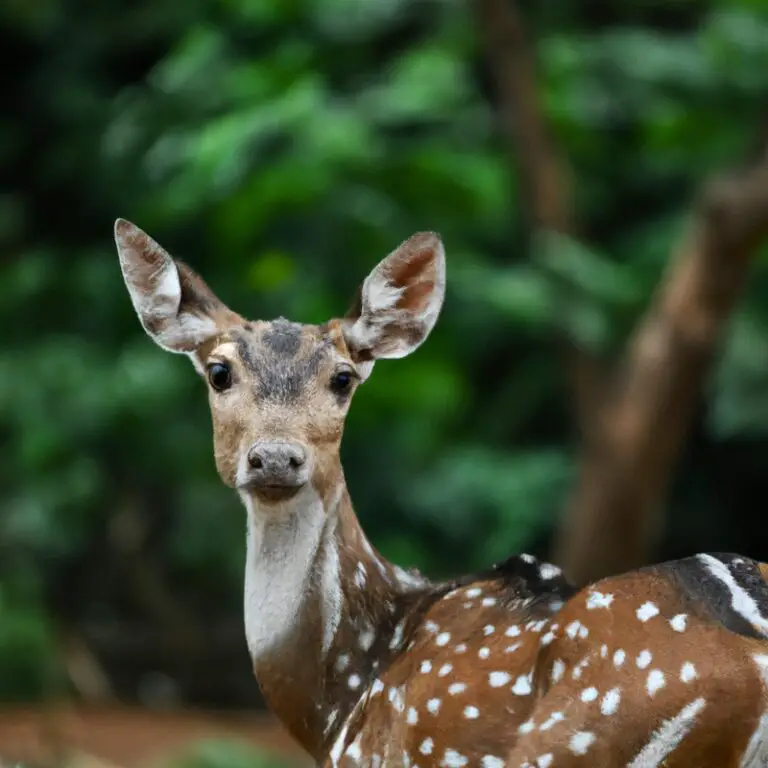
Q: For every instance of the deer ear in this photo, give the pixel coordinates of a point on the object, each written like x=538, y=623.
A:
x=398, y=303
x=175, y=307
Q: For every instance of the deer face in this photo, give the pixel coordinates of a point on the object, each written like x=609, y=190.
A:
x=279, y=391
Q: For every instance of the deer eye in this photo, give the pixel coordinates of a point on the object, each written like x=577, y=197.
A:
x=219, y=376
x=341, y=382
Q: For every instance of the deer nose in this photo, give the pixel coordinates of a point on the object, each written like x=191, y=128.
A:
x=277, y=463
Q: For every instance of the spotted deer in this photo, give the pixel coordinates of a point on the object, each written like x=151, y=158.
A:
x=369, y=664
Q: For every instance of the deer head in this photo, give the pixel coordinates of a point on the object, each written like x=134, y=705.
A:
x=279, y=391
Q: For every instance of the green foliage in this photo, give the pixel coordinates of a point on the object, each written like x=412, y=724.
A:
x=217, y=753
x=515, y=495
x=28, y=663
x=739, y=391
x=282, y=149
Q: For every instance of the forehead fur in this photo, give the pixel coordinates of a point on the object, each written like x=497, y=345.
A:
x=282, y=356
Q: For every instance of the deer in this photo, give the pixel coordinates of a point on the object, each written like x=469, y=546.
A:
x=367, y=663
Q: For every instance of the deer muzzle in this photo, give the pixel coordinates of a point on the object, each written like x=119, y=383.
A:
x=276, y=469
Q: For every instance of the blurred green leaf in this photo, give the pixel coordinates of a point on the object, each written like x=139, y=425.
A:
x=508, y=495
x=271, y=270
x=423, y=84
x=27, y=648
x=219, y=753
x=354, y=18
x=740, y=386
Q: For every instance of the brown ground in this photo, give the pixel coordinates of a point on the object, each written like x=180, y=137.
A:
x=127, y=737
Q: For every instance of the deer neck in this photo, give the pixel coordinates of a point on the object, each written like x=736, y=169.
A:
x=324, y=612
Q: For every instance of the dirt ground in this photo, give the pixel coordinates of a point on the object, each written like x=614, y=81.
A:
x=129, y=738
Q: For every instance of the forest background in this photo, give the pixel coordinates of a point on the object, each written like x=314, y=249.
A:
x=596, y=391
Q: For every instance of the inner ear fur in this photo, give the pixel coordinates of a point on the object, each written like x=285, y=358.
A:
x=398, y=304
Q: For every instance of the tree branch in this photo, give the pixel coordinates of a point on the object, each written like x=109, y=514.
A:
x=85, y=671
x=632, y=425
x=614, y=514
x=546, y=188
x=544, y=177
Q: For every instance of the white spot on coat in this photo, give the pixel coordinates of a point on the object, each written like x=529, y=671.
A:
x=397, y=636
x=581, y=742
x=522, y=686
x=688, y=672
x=573, y=629
x=678, y=622
x=655, y=681
x=610, y=702
x=599, y=600
x=644, y=659
x=589, y=694
x=366, y=637
x=548, y=571
x=497, y=679
x=647, y=611
x=453, y=759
